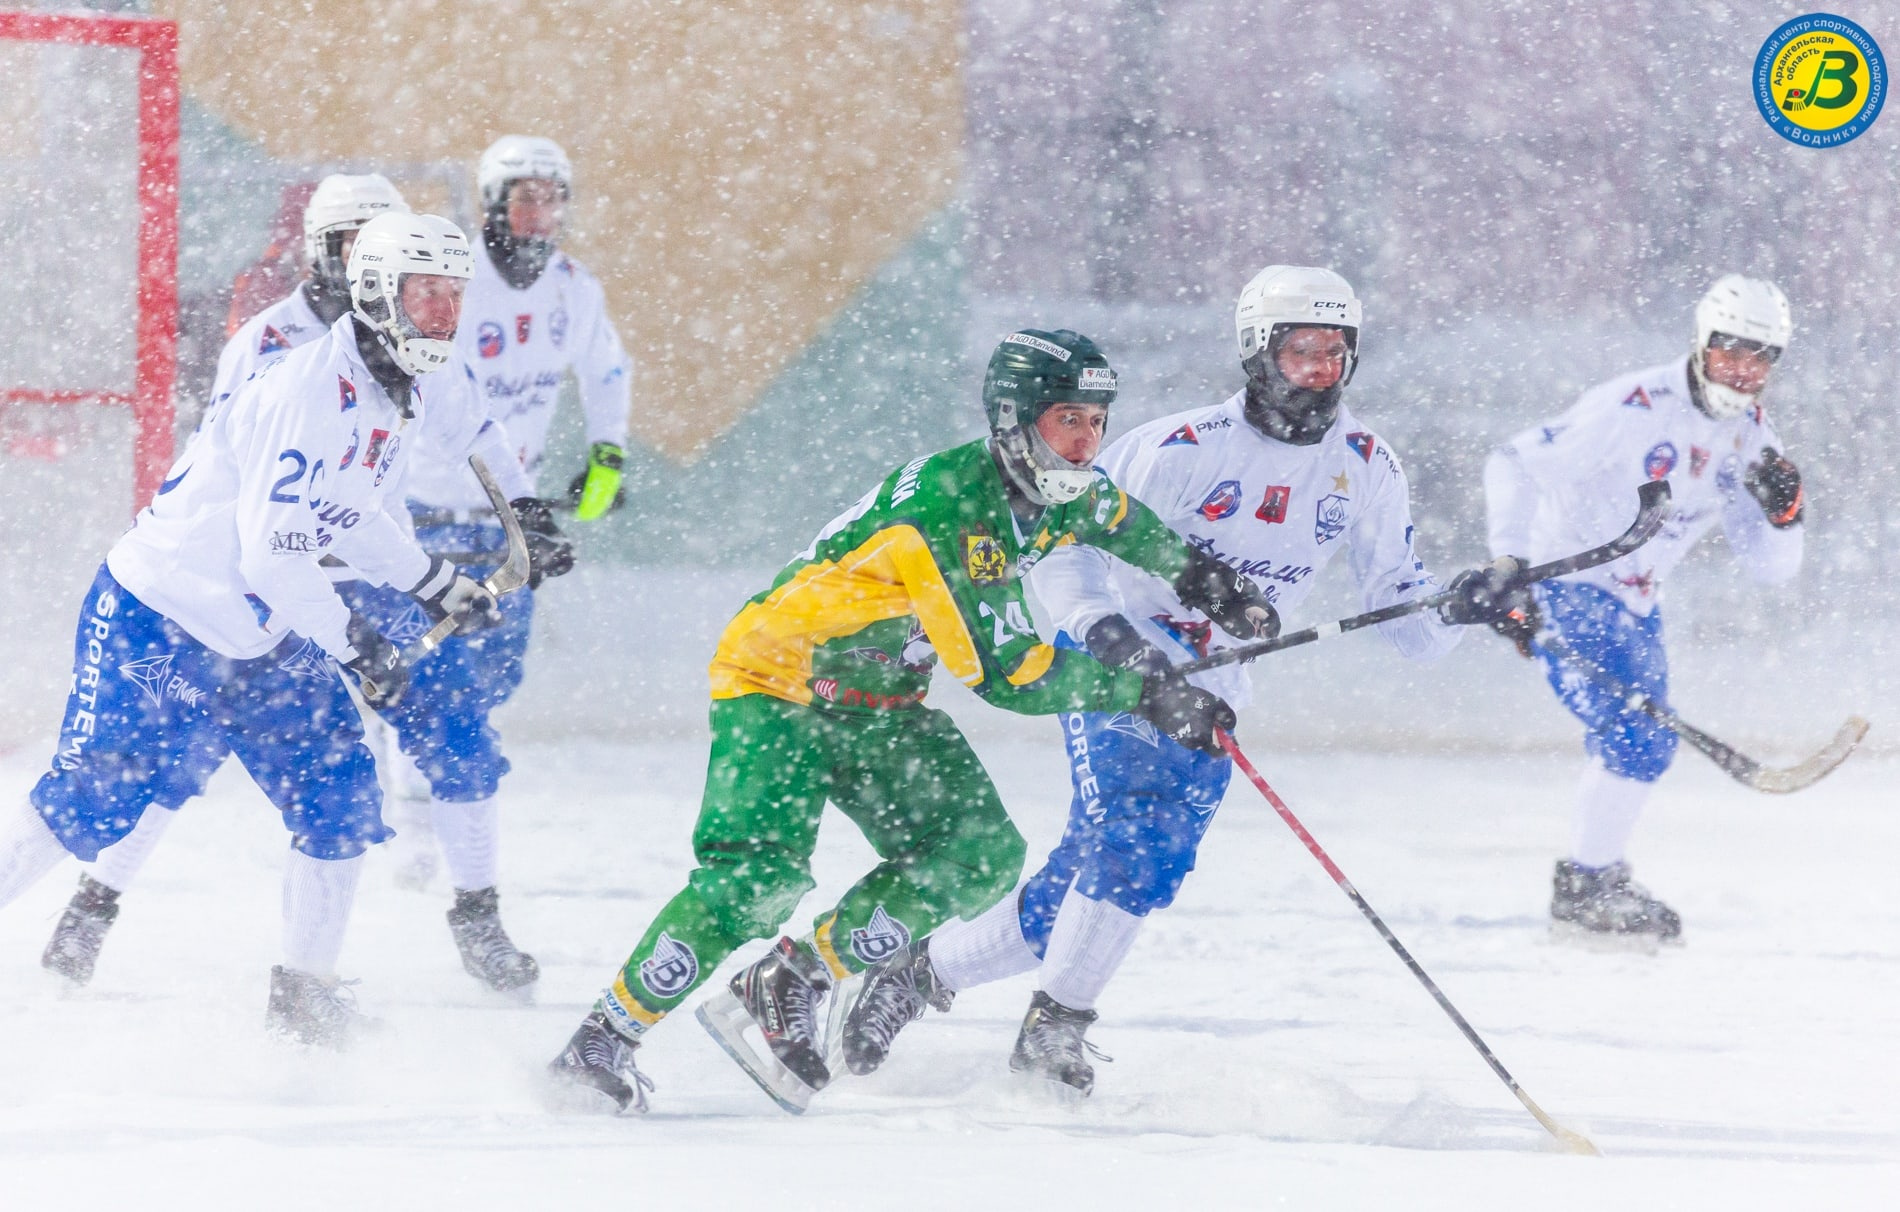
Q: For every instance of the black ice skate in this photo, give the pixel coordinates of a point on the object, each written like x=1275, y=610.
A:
x=306, y=1009
x=1603, y=905
x=488, y=954
x=74, y=948
x=1050, y=1046
x=778, y=997
x=595, y=1073
x=890, y=997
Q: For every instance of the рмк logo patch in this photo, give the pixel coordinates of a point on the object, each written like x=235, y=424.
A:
x=1820, y=80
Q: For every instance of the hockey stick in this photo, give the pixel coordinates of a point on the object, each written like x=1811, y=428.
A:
x=512, y=574
x=1738, y=766
x=1574, y=1142
x=1652, y=497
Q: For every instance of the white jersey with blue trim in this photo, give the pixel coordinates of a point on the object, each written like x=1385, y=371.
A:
x=1570, y=484
x=299, y=462
x=1276, y=512
x=522, y=344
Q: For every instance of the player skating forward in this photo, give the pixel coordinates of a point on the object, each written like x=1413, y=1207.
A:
x=532, y=315
x=1274, y=482
x=818, y=688
x=428, y=716
x=1696, y=421
x=212, y=630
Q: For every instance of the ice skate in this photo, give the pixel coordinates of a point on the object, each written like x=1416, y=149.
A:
x=313, y=1010
x=595, y=1073
x=488, y=954
x=74, y=948
x=1604, y=907
x=1050, y=1047
x=778, y=998
x=890, y=997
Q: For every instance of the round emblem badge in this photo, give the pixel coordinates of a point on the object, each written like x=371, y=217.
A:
x=1820, y=80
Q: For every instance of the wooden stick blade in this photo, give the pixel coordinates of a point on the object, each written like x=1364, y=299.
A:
x=1814, y=769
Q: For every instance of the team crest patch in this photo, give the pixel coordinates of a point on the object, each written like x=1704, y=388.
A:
x=881, y=938
x=1223, y=502
x=1329, y=518
x=1637, y=399
x=671, y=969
x=984, y=559
x=1698, y=461
x=523, y=325
x=1273, y=504
x=488, y=339
x=1361, y=444
x=557, y=327
x=346, y=392
x=1183, y=436
x=377, y=438
x=271, y=341
x=349, y=456
x=1660, y=461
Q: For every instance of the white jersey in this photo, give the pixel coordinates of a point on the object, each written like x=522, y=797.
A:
x=522, y=343
x=1274, y=511
x=296, y=464
x=265, y=337
x=1560, y=488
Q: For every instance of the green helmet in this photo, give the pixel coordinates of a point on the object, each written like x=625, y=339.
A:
x=1030, y=371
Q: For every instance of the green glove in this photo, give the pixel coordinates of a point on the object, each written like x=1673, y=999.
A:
x=597, y=490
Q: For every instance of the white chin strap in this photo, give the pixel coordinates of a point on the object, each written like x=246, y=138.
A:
x=1058, y=480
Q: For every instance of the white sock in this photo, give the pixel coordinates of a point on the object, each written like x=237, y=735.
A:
x=119, y=864
x=469, y=834
x=987, y=948
x=318, y=894
x=28, y=849
x=1607, y=808
x=1086, y=946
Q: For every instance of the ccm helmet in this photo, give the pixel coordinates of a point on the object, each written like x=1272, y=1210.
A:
x=1030, y=371
x=1738, y=312
x=342, y=203
x=388, y=249
x=1280, y=299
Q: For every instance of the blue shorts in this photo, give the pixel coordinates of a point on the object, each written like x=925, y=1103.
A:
x=442, y=722
x=1629, y=647
x=1141, y=804
x=153, y=714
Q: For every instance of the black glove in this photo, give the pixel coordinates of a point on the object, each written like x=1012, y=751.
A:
x=1776, y=483
x=1114, y=641
x=1522, y=624
x=1232, y=600
x=549, y=552
x=1485, y=595
x=602, y=475
x=381, y=675
x=446, y=593
x=1185, y=714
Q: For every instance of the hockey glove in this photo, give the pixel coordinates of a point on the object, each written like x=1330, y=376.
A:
x=1229, y=598
x=1485, y=595
x=1114, y=641
x=381, y=675
x=1776, y=483
x=1185, y=714
x=597, y=490
x=549, y=552
x=1522, y=624
x=447, y=594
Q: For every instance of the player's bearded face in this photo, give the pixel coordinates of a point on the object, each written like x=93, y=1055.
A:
x=536, y=209
x=1313, y=358
x=433, y=303
x=1738, y=367
x=1074, y=431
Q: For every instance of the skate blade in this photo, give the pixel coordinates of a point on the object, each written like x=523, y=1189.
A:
x=563, y=1095
x=838, y=1007
x=1570, y=934
x=726, y=1020
x=1046, y=1090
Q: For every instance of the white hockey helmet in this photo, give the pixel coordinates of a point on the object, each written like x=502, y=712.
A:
x=512, y=157
x=343, y=203
x=1747, y=310
x=1279, y=299
x=389, y=248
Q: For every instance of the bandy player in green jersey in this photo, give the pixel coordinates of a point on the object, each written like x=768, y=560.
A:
x=818, y=694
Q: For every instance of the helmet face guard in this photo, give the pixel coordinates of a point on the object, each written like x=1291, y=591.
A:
x=1031, y=372
x=342, y=204
x=1741, y=314
x=1280, y=299
x=513, y=158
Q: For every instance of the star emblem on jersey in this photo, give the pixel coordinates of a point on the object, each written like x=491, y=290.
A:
x=1329, y=517
x=984, y=559
x=671, y=969
x=880, y=938
x=1341, y=483
x=310, y=663
x=149, y=675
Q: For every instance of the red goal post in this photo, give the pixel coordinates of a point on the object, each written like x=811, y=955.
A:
x=145, y=387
